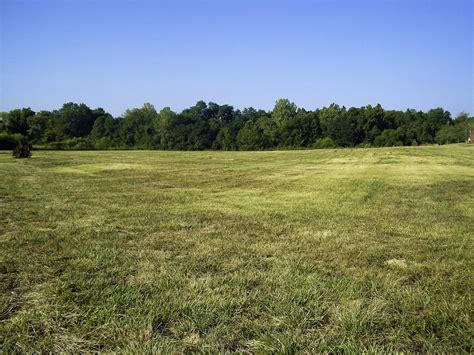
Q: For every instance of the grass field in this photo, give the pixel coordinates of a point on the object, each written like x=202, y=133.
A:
x=329, y=250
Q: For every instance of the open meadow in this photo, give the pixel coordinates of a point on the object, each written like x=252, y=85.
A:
x=277, y=251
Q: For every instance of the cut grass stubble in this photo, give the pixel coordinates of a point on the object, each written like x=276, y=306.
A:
x=330, y=250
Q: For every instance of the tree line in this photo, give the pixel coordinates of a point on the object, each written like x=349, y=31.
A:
x=221, y=127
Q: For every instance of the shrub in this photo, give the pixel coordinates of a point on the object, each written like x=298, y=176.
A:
x=9, y=141
x=389, y=138
x=72, y=143
x=453, y=134
x=77, y=143
x=103, y=143
x=323, y=143
x=55, y=145
x=22, y=149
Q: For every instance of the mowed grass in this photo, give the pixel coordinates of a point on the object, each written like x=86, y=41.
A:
x=285, y=251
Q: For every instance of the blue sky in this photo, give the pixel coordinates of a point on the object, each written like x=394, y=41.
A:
x=120, y=54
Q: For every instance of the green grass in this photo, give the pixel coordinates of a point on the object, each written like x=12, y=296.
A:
x=329, y=250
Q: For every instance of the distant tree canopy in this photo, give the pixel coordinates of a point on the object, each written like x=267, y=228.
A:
x=221, y=127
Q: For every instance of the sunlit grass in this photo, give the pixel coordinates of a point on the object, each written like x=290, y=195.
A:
x=329, y=250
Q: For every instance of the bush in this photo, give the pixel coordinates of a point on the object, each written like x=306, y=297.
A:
x=389, y=138
x=78, y=143
x=324, y=143
x=453, y=134
x=22, y=149
x=9, y=141
x=19, y=144
x=103, y=143
x=72, y=143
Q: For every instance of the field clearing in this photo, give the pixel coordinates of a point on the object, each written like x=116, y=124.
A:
x=280, y=251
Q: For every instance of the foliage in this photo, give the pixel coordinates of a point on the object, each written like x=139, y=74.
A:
x=221, y=127
x=225, y=140
x=324, y=143
x=389, y=138
x=9, y=141
x=74, y=120
x=22, y=149
x=16, y=121
x=137, y=127
x=456, y=132
x=283, y=113
x=250, y=137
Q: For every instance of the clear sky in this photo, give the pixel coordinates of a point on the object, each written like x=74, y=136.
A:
x=120, y=54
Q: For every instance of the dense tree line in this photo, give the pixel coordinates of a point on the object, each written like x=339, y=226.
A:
x=221, y=127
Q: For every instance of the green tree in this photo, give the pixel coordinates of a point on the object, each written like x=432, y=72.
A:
x=74, y=120
x=103, y=125
x=283, y=112
x=164, y=124
x=341, y=125
x=202, y=125
x=389, y=138
x=300, y=131
x=41, y=127
x=250, y=137
x=225, y=140
x=327, y=117
x=16, y=121
x=457, y=131
x=433, y=121
x=137, y=127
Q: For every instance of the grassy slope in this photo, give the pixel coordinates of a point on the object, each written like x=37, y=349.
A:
x=250, y=251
